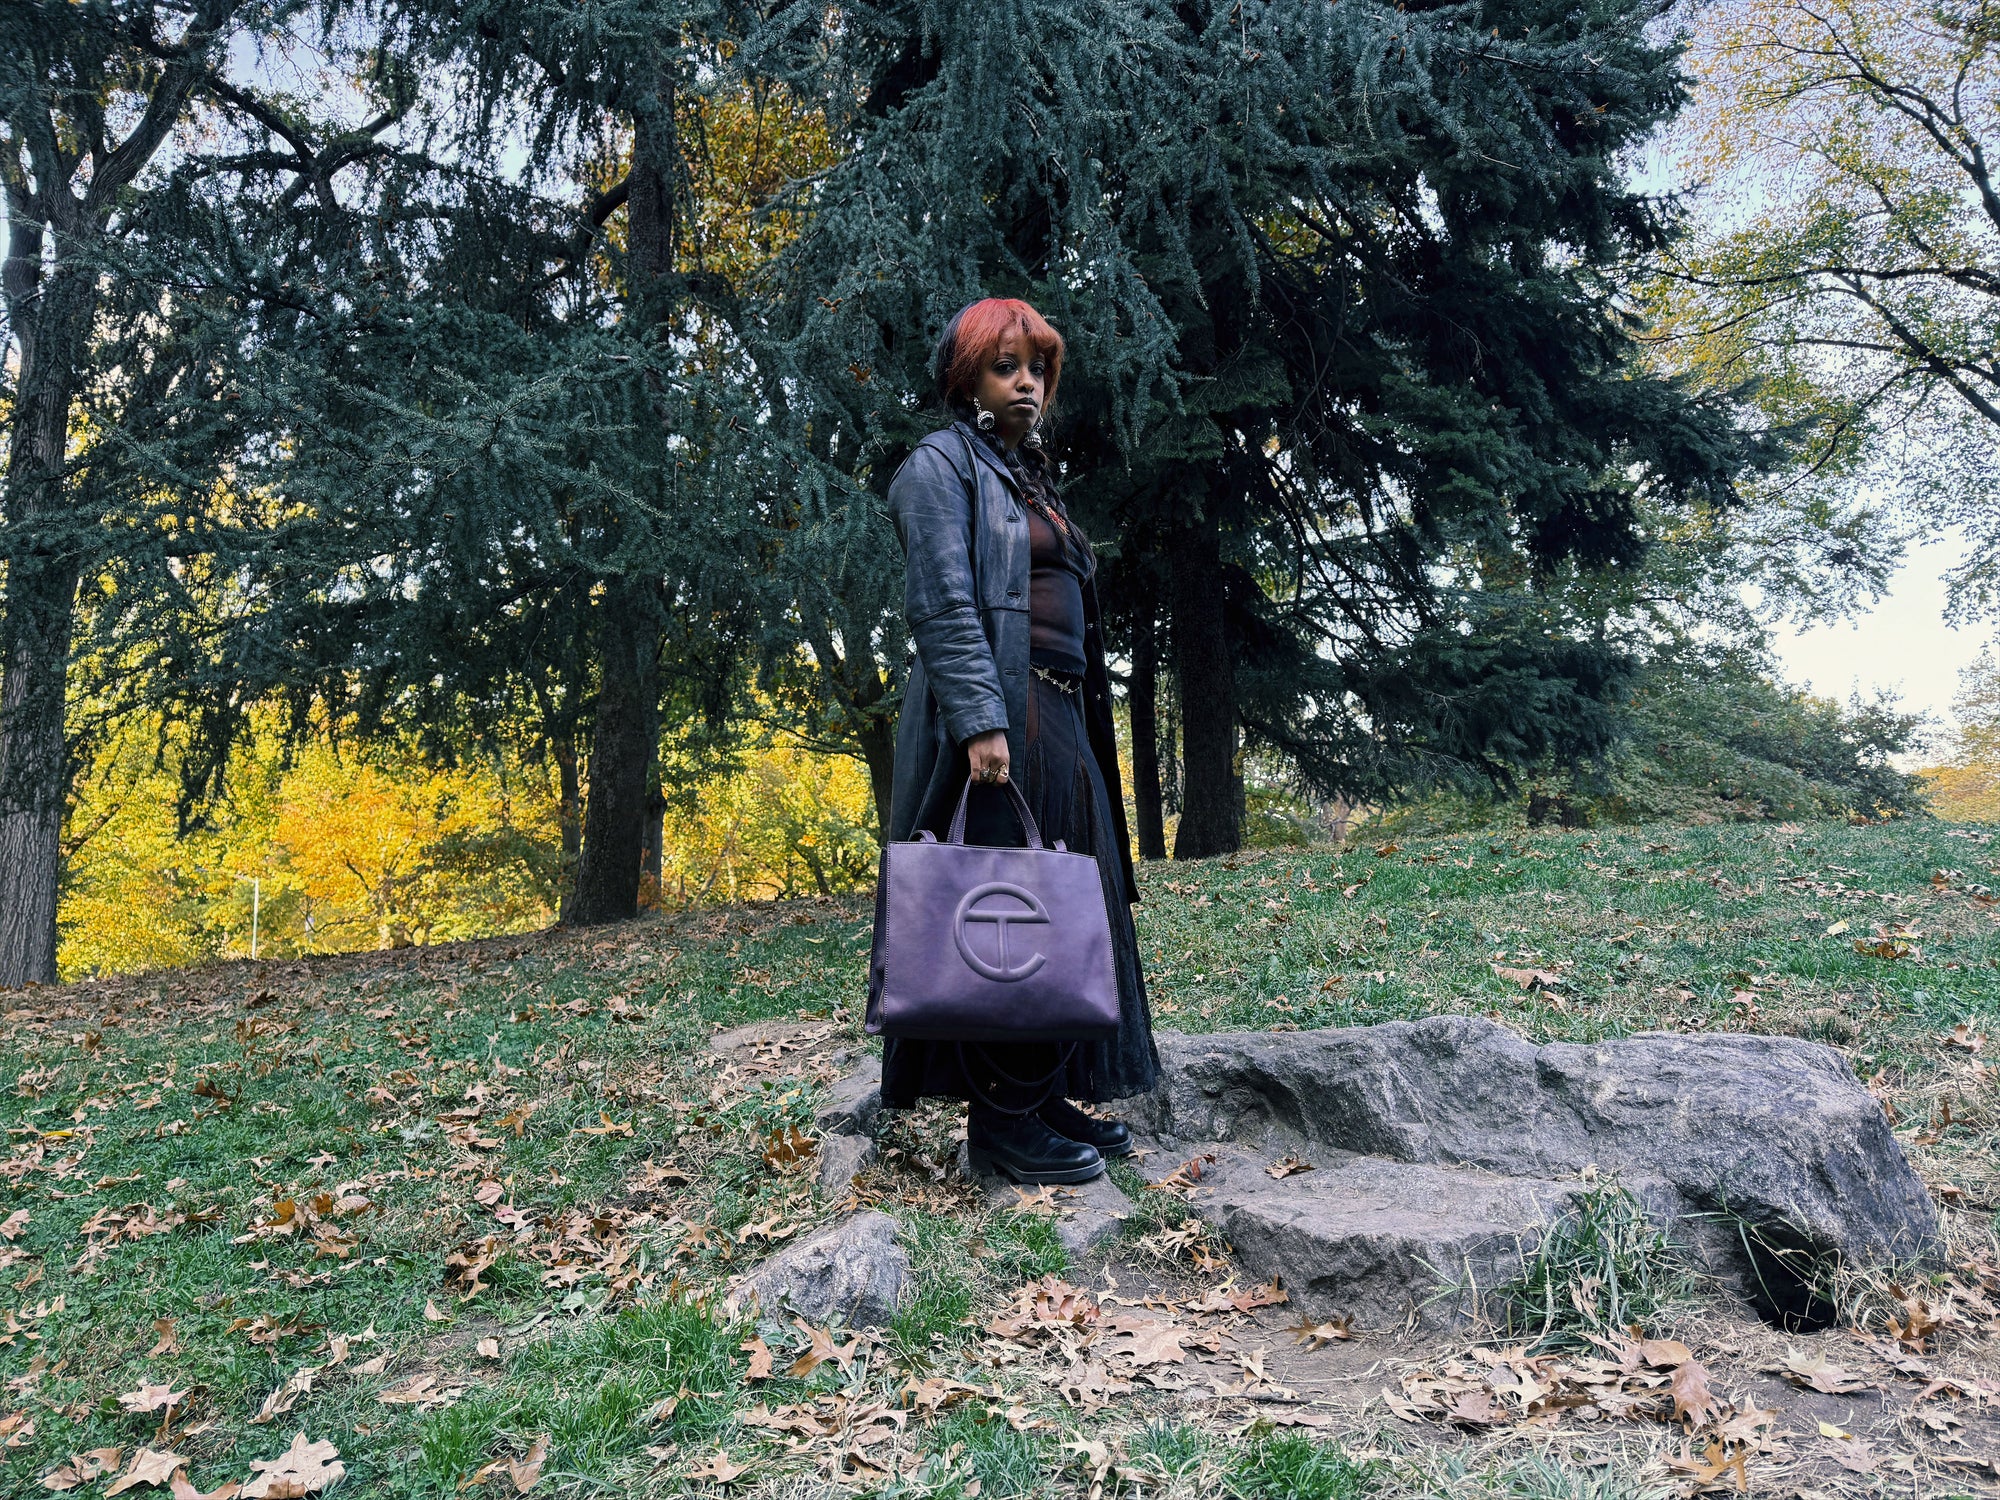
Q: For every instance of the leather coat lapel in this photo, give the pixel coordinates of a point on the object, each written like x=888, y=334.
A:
x=985, y=452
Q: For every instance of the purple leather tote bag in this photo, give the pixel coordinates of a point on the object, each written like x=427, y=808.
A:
x=979, y=944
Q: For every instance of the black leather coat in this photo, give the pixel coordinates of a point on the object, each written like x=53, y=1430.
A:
x=965, y=595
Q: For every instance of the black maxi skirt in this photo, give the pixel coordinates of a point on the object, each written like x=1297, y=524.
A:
x=1065, y=790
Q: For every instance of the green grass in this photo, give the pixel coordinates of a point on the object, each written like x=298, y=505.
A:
x=1599, y=1268
x=157, y=1126
x=1296, y=1467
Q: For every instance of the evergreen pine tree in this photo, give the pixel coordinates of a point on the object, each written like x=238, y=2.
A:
x=1350, y=369
x=158, y=185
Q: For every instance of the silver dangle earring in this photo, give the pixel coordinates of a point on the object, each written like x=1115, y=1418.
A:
x=985, y=420
x=1034, y=437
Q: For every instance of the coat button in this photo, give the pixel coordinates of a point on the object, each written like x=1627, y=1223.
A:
x=1013, y=593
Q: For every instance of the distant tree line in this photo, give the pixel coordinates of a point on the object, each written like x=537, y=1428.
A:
x=527, y=373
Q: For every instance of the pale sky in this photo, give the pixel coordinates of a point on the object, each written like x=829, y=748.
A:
x=1902, y=645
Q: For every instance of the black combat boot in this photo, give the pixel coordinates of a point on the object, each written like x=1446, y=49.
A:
x=1023, y=1148
x=1110, y=1137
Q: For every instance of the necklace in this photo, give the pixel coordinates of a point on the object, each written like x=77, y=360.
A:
x=1049, y=513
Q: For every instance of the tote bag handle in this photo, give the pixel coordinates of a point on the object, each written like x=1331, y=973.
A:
x=956, y=834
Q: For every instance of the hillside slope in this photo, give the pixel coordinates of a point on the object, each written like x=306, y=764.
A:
x=432, y=1205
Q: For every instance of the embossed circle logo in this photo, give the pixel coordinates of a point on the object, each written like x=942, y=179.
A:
x=1004, y=907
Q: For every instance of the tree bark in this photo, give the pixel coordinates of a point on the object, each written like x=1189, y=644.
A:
x=1205, y=666
x=36, y=623
x=878, y=749
x=1143, y=696
x=52, y=303
x=571, y=819
x=624, y=740
x=625, y=736
x=653, y=843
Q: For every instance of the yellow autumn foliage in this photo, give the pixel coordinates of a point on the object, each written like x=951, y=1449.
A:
x=1966, y=789
x=789, y=821
x=332, y=849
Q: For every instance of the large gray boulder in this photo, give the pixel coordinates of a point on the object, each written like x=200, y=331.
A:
x=1769, y=1139
x=853, y=1272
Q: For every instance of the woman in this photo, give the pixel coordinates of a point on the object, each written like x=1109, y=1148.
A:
x=1009, y=682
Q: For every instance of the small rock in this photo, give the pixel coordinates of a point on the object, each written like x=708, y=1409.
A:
x=840, y=1157
x=756, y=1034
x=853, y=1102
x=853, y=1272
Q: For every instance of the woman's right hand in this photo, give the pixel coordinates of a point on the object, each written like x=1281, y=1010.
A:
x=988, y=755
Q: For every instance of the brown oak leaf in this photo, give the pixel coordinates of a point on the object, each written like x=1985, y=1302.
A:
x=82, y=1468
x=148, y=1466
x=302, y=1469
x=1694, y=1402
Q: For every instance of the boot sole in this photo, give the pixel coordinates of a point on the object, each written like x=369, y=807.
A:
x=980, y=1162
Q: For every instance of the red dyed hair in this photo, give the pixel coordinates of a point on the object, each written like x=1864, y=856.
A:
x=974, y=336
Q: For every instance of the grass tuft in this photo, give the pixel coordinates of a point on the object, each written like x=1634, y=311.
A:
x=1600, y=1267
x=1296, y=1467
x=1005, y=1462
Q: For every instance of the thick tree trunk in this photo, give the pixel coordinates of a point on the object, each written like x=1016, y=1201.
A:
x=623, y=743
x=34, y=770
x=1205, y=666
x=569, y=817
x=35, y=624
x=878, y=749
x=1143, y=696
x=626, y=732
x=653, y=844
x=570, y=811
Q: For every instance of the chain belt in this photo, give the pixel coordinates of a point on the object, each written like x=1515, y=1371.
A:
x=1062, y=682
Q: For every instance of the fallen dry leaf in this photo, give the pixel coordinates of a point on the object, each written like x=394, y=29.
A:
x=487, y=1348
x=1664, y=1354
x=183, y=1488
x=286, y=1396
x=302, y=1469
x=820, y=1348
x=717, y=1467
x=167, y=1341
x=1288, y=1166
x=1529, y=979
x=1716, y=1461
x=1155, y=1343
x=1694, y=1403
x=527, y=1472
x=1319, y=1335
x=760, y=1359
x=147, y=1467
x=1815, y=1373
x=421, y=1391
x=1747, y=1424
x=1962, y=1035
x=431, y=1313
x=150, y=1397
x=787, y=1148
x=12, y=1227
x=82, y=1468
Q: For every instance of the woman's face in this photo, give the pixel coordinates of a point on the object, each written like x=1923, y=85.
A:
x=1013, y=387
